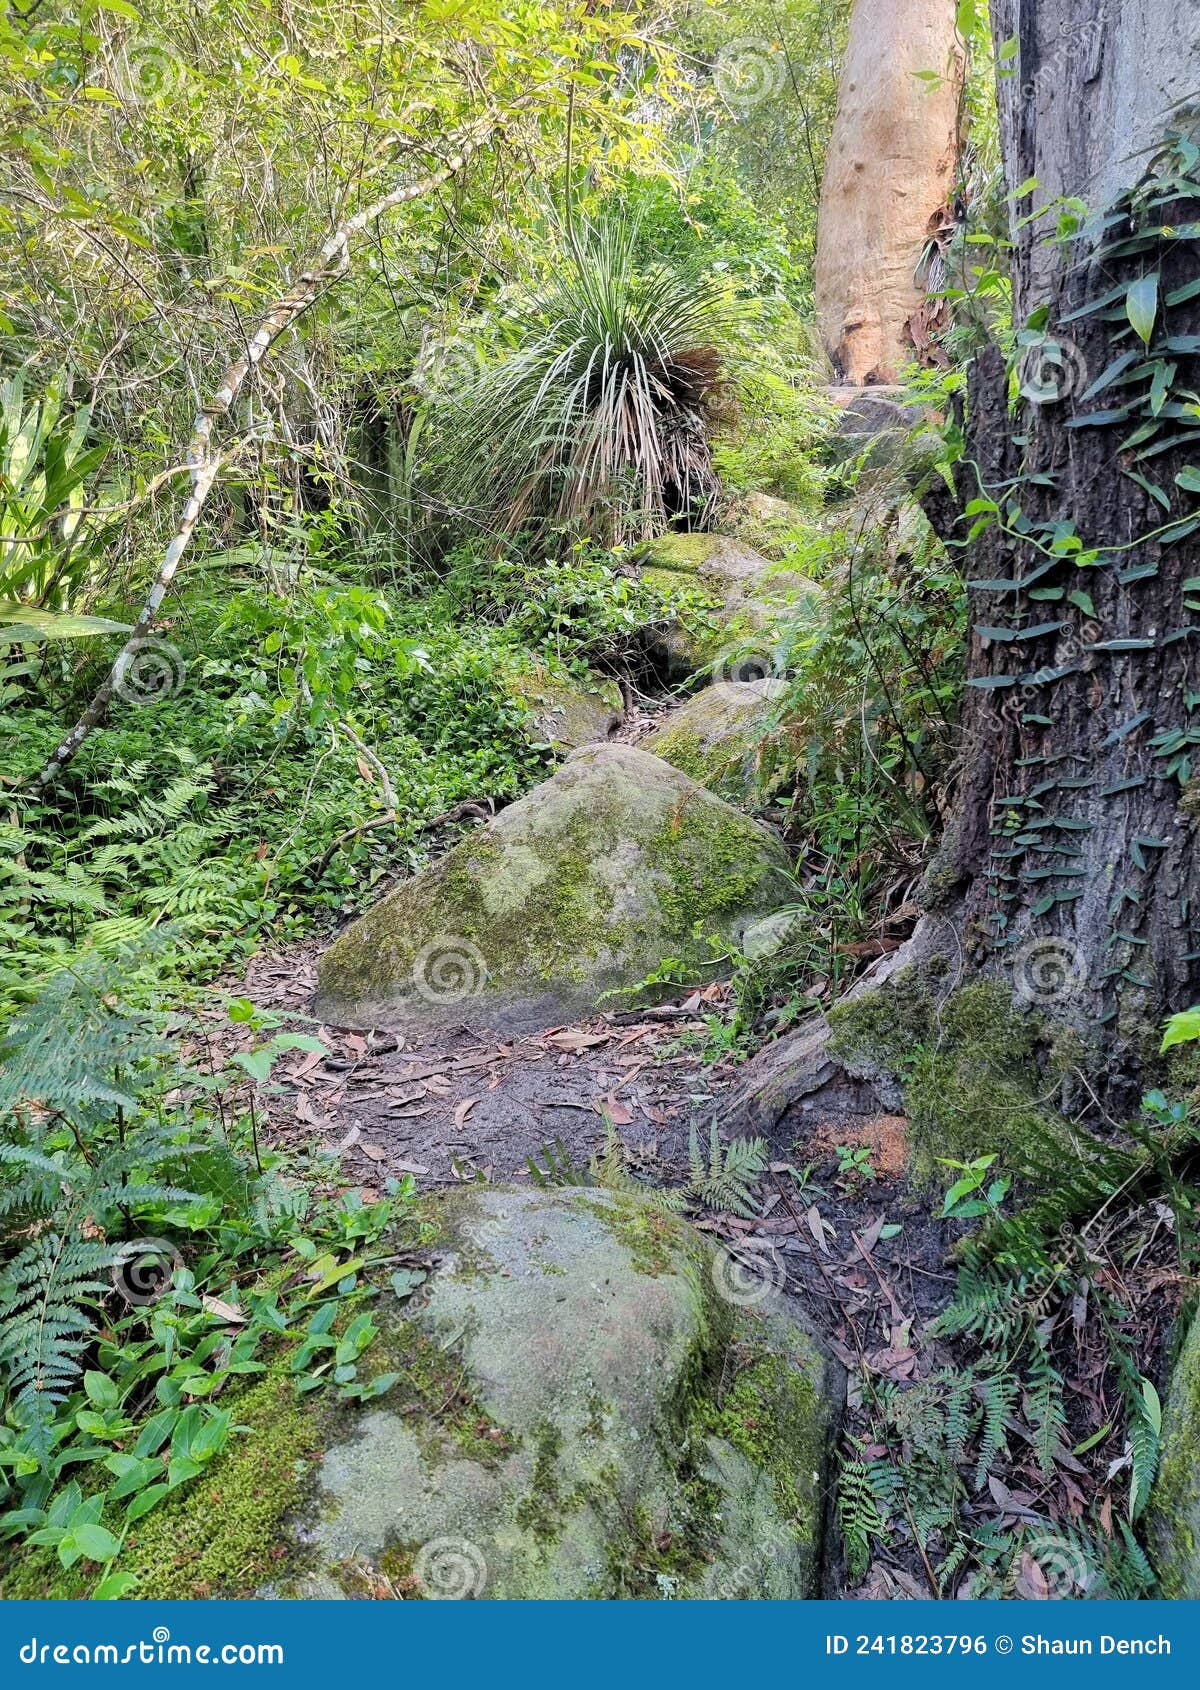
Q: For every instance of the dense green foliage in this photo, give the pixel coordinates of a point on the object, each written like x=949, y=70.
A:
x=436, y=495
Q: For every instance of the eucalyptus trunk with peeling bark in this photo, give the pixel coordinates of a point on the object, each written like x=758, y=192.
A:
x=1075, y=858
x=888, y=175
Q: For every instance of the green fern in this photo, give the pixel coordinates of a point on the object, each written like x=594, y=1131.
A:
x=724, y=1178
x=860, y=1518
x=83, y=1150
x=607, y=1169
x=998, y=1395
x=1044, y=1408
x=50, y=1294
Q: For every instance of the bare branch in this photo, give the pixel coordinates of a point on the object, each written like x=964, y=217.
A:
x=329, y=266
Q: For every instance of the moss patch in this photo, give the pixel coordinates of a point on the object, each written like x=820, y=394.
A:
x=979, y=1075
x=723, y=738
x=884, y=1029
x=541, y=1510
x=1174, y=1517
x=434, y=1382
x=982, y=1084
x=772, y=1417
x=223, y=1534
x=652, y=1239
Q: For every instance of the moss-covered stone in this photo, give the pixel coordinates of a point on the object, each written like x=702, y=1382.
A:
x=584, y=887
x=771, y=526
x=722, y=738
x=977, y=1074
x=749, y=596
x=568, y=713
x=983, y=1083
x=1173, y=1520
x=652, y=1430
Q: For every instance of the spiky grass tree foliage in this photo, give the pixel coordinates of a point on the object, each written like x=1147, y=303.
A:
x=598, y=418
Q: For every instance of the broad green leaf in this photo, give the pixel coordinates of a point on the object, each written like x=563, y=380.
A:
x=97, y=1543
x=1141, y=306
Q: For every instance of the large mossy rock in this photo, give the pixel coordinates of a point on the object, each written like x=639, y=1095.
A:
x=1174, y=1515
x=581, y=1413
x=568, y=713
x=773, y=527
x=720, y=737
x=749, y=596
x=583, y=887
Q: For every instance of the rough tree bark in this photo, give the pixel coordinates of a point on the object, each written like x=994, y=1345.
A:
x=888, y=174
x=1076, y=853
x=1072, y=870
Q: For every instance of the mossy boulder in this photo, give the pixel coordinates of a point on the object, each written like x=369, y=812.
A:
x=769, y=525
x=720, y=737
x=1174, y=1513
x=582, y=888
x=611, y=1427
x=568, y=713
x=749, y=595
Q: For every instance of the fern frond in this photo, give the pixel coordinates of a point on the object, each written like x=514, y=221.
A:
x=724, y=1181
x=1044, y=1408
x=859, y=1516
x=998, y=1395
x=48, y=1302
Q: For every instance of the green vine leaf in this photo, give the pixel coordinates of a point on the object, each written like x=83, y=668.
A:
x=1141, y=306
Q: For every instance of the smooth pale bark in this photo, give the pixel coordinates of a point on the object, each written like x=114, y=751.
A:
x=888, y=175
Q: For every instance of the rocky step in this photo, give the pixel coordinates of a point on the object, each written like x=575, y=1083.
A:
x=592, y=1403
x=580, y=890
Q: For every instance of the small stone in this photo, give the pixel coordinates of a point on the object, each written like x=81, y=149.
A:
x=722, y=737
x=751, y=599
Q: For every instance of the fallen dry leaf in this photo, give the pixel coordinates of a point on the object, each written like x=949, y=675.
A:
x=223, y=1311
x=572, y=1040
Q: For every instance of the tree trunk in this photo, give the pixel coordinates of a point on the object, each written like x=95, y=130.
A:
x=1076, y=848
x=888, y=175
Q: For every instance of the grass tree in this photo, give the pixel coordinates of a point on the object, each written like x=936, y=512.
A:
x=598, y=418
